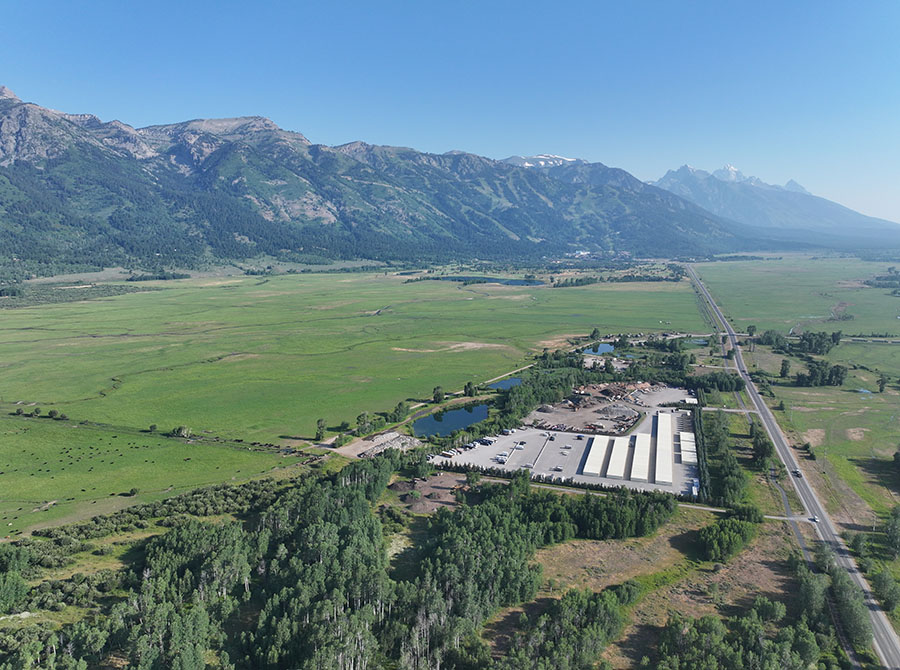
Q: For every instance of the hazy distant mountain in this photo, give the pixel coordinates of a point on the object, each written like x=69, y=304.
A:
x=788, y=212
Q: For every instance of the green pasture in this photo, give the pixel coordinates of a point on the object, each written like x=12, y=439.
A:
x=264, y=358
x=803, y=292
x=875, y=356
x=55, y=471
x=856, y=432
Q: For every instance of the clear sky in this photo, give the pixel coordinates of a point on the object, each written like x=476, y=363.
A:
x=803, y=90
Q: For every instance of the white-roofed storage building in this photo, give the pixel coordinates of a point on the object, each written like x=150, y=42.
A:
x=664, y=455
x=618, y=458
x=593, y=465
x=640, y=464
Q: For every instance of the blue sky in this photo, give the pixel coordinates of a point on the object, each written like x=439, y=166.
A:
x=803, y=90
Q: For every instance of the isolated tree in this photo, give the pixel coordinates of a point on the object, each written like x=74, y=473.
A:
x=400, y=411
x=860, y=544
x=882, y=382
x=836, y=338
x=320, y=430
x=785, y=368
x=836, y=375
x=595, y=334
x=469, y=389
x=152, y=427
x=36, y=411
x=886, y=590
x=18, y=410
x=362, y=424
x=892, y=530
x=438, y=394
x=762, y=448
x=751, y=330
x=53, y=413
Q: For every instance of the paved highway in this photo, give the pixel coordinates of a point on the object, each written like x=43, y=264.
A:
x=885, y=640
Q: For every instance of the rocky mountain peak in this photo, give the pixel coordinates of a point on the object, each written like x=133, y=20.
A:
x=729, y=173
x=543, y=161
x=795, y=187
x=6, y=94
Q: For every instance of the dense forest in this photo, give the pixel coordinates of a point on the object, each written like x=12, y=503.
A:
x=302, y=579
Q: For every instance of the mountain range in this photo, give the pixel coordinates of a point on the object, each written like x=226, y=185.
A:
x=786, y=213
x=77, y=192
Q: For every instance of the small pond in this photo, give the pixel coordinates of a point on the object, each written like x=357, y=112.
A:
x=444, y=423
x=602, y=348
x=504, y=384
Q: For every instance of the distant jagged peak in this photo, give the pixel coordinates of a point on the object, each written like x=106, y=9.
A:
x=6, y=94
x=690, y=170
x=791, y=185
x=542, y=160
x=730, y=173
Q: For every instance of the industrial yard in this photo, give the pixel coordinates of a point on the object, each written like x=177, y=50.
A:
x=607, y=409
x=660, y=455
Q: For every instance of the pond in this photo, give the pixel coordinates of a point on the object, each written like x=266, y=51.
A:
x=495, y=280
x=601, y=348
x=504, y=384
x=444, y=423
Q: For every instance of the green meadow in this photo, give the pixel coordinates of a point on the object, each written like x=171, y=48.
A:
x=853, y=433
x=261, y=359
x=54, y=471
x=809, y=293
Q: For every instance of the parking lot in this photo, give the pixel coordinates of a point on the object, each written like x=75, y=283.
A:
x=562, y=455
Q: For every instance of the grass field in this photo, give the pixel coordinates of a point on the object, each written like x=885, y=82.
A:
x=854, y=433
x=803, y=292
x=55, y=471
x=263, y=358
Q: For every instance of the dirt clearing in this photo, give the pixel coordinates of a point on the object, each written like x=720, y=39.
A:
x=815, y=436
x=857, y=434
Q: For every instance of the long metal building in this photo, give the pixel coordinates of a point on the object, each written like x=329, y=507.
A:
x=593, y=465
x=664, y=451
x=619, y=458
x=640, y=464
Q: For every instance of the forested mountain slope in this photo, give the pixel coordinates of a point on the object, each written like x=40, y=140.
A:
x=75, y=191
